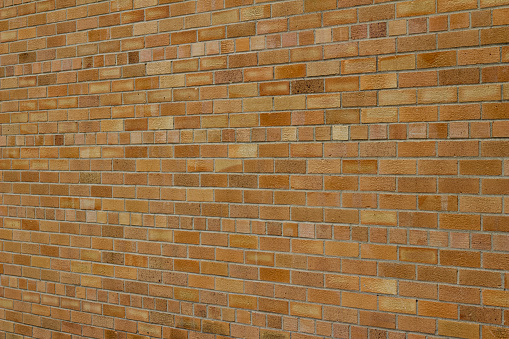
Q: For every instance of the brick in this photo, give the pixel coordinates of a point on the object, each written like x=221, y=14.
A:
x=458, y=329
x=465, y=222
x=253, y=13
x=397, y=97
x=305, y=21
x=290, y=71
x=305, y=310
x=377, y=319
x=366, y=301
x=478, y=56
x=452, y=148
x=436, y=274
x=496, y=35
x=386, y=252
x=416, y=43
x=323, y=101
x=376, y=13
x=376, y=285
x=313, y=6
x=460, y=112
x=495, y=74
x=474, y=93
x=459, y=76
x=438, y=309
x=358, y=66
x=496, y=261
x=393, y=63
x=329, y=168
x=415, y=8
x=377, y=81
x=458, y=39
x=494, y=148
x=240, y=30
x=494, y=332
x=456, y=5
x=323, y=68
x=275, y=88
x=399, y=305
x=480, y=204
x=491, y=3
x=460, y=258
x=436, y=59
x=486, y=167
x=431, y=96
x=376, y=47
x=420, y=255
x=495, y=298
x=419, y=324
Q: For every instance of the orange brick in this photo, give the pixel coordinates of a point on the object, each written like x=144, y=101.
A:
x=313, y=6
x=216, y=168
x=495, y=35
x=478, y=56
x=290, y=71
x=385, y=252
x=458, y=39
x=393, y=63
x=364, y=301
x=440, y=309
x=421, y=255
x=377, y=319
x=458, y=329
x=460, y=258
x=495, y=298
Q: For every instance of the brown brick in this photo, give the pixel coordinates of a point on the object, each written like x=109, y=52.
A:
x=240, y=30
x=459, y=76
x=496, y=35
x=291, y=71
x=313, y=6
x=376, y=13
x=458, y=329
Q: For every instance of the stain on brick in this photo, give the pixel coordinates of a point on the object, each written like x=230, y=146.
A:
x=224, y=77
x=378, y=30
x=271, y=334
x=46, y=79
x=134, y=57
x=113, y=258
x=27, y=57
x=307, y=86
x=90, y=178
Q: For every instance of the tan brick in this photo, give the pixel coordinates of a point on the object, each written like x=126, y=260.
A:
x=415, y=8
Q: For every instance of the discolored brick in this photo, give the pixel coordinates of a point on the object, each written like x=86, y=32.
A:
x=307, y=86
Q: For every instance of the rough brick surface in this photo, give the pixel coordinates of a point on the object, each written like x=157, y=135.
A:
x=268, y=169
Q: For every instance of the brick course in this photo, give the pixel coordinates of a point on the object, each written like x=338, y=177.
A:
x=254, y=169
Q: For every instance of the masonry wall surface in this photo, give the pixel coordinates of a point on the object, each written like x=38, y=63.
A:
x=254, y=169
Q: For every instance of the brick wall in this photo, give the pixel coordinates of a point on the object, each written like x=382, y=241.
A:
x=254, y=168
